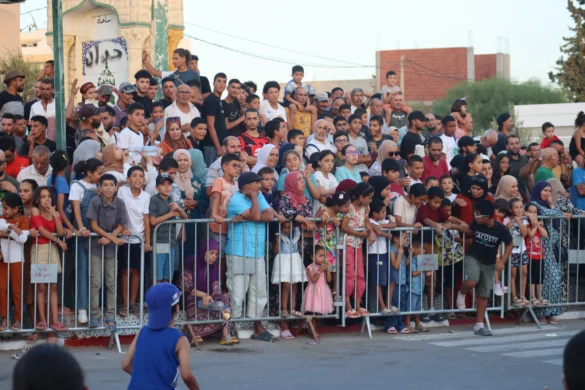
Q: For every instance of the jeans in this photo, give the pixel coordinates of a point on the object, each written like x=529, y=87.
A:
x=398, y=300
x=165, y=265
x=209, y=155
x=82, y=275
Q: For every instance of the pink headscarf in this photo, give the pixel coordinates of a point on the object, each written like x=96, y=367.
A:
x=183, y=180
x=291, y=187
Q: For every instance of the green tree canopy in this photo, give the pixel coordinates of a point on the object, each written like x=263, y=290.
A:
x=13, y=60
x=488, y=99
x=570, y=65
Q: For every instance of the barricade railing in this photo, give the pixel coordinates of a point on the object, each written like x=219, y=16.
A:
x=45, y=274
x=546, y=270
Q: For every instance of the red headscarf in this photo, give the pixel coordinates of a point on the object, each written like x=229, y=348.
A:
x=291, y=187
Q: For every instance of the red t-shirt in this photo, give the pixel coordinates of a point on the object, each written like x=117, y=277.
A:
x=546, y=142
x=395, y=187
x=534, y=246
x=431, y=169
x=13, y=168
x=39, y=221
x=425, y=211
x=252, y=145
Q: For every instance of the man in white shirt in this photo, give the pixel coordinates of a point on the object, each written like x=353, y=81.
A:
x=449, y=142
x=40, y=169
x=183, y=109
x=46, y=107
x=320, y=142
x=131, y=137
x=270, y=108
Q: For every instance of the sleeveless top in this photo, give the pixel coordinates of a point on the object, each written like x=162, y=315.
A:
x=155, y=365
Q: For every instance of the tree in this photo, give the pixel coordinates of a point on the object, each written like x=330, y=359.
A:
x=13, y=60
x=570, y=68
x=489, y=98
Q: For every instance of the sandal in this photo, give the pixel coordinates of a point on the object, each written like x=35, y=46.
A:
x=33, y=338
x=544, y=302
x=122, y=311
x=352, y=314
x=422, y=329
x=386, y=311
x=134, y=309
x=111, y=324
x=16, y=326
x=363, y=312
x=553, y=321
x=42, y=325
x=451, y=316
x=233, y=340
x=4, y=325
x=59, y=327
x=284, y=313
x=404, y=331
x=516, y=302
x=525, y=302
x=224, y=342
x=297, y=313
x=536, y=302
x=392, y=330
x=287, y=335
x=265, y=336
x=414, y=330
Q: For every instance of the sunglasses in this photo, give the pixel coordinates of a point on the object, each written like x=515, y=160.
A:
x=392, y=154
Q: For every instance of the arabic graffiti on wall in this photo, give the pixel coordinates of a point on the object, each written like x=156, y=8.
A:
x=105, y=61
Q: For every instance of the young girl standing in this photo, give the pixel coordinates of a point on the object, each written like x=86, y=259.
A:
x=326, y=180
x=317, y=298
x=12, y=241
x=459, y=112
x=58, y=183
x=288, y=267
x=331, y=214
x=518, y=225
x=536, y=232
x=577, y=145
x=47, y=221
x=357, y=218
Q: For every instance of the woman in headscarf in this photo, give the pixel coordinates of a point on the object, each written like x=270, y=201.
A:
x=193, y=194
x=202, y=296
x=386, y=147
x=552, y=289
x=381, y=186
x=114, y=159
x=174, y=138
x=267, y=157
x=508, y=188
x=198, y=167
x=464, y=203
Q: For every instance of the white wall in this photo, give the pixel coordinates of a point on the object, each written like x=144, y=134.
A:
x=562, y=116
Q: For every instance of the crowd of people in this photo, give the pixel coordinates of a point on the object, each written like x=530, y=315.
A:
x=332, y=167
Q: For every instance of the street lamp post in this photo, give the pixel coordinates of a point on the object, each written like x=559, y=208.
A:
x=59, y=72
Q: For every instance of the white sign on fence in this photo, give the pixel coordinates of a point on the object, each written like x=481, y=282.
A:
x=43, y=273
x=428, y=262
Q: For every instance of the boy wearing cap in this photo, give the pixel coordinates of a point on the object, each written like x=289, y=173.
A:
x=125, y=97
x=161, y=209
x=466, y=145
x=480, y=263
x=159, y=352
x=246, y=267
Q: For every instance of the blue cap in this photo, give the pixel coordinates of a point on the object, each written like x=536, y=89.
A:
x=159, y=299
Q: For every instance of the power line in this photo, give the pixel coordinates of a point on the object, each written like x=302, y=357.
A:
x=273, y=59
x=278, y=47
x=434, y=70
x=31, y=11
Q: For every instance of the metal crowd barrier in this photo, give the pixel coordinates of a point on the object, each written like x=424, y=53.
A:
x=563, y=254
x=53, y=277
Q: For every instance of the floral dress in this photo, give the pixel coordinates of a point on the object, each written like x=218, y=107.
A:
x=286, y=208
x=552, y=288
x=326, y=237
x=202, y=205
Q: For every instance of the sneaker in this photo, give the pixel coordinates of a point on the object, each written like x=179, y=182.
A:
x=505, y=289
x=460, y=301
x=395, y=310
x=437, y=318
x=498, y=290
x=482, y=332
x=95, y=323
x=82, y=317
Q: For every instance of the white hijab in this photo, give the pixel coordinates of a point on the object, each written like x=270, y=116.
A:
x=262, y=157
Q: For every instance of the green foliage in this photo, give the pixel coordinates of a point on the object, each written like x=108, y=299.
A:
x=488, y=99
x=13, y=60
x=569, y=72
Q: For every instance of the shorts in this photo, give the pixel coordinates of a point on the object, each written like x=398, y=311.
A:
x=135, y=255
x=165, y=265
x=413, y=302
x=536, y=272
x=481, y=273
x=449, y=275
x=516, y=257
x=46, y=254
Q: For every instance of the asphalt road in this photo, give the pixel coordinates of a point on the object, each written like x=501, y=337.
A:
x=522, y=358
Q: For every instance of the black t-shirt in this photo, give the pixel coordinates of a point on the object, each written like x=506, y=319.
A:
x=6, y=97
x=205, y=86
x=501, y=144
x=48, y=143
x=232, y=114
x=409, y=141
x=457, y=161
x=487, y=240
x=212, y=106
x=146, y=102
x=165, y=102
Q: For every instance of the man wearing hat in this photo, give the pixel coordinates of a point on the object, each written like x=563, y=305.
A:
x=322, y=102
x=125, y=97
x=246, y=266
x=10, y=100
x=481, y=260
x=46, y=107
x=89, y=122
x=505, y=126
x=466, y=145
x=159, y=352
x=416, y=123
x=104, y=94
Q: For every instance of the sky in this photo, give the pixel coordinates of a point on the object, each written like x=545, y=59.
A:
x=348, y=34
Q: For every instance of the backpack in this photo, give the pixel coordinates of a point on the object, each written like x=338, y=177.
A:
x=88, y=195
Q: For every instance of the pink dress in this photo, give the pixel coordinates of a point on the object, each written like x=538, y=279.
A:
x=317, y=298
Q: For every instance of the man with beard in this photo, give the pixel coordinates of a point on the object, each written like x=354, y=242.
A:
x=10, y=100
x=432, y=130
x=106, y=131
x=252, y=141
x=46, y=107
x=140, y=95
x=322, y=102
x=416, y=123
x=519, y=167
x=89, y=121
x=169, y=92
x=434, y=164
x=397, y=117
x=30, y=103
x=104, y=94
x=335, y=104
x=37, y=137
x=8, y=123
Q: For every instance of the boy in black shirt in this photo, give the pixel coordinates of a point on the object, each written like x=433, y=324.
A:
x=480, y=263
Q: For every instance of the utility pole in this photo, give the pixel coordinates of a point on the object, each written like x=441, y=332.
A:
x=59, y=72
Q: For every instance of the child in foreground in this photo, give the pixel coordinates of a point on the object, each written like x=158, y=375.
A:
x=159, y=352
x=318, y=298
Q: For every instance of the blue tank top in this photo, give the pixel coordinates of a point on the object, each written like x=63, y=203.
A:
x=155, y=365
